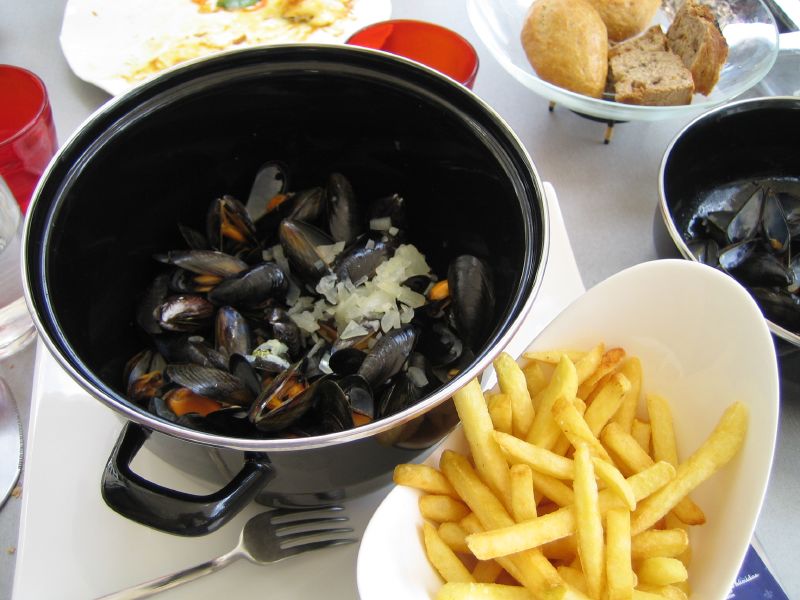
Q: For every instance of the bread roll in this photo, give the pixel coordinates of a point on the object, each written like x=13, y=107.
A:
x=567, y=44
x=626, y=18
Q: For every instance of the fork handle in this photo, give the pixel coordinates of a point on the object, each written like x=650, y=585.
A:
x=167, y=582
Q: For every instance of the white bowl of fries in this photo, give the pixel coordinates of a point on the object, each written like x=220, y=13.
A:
x=662, y=380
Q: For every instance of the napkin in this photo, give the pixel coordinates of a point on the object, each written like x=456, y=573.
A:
x=755, y=581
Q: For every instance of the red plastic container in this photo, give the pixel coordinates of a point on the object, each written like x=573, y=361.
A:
x=427, y=43
x=27, y=133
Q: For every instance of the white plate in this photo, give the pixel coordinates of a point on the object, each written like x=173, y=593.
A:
x=106, y=41
x=748, y=27
x=703, y=344
x=86, y=549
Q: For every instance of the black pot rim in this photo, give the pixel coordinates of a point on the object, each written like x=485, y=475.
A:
x=740, y=106
x=531, y=271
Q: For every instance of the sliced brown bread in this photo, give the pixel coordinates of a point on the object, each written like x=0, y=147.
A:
x=652, y=40
x=650, y=78
x=695, y=36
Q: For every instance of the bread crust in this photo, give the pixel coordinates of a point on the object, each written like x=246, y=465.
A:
x=566, y=42
x=626, y=18
x=695, y=36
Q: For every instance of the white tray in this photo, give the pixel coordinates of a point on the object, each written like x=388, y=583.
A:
x=72, y=546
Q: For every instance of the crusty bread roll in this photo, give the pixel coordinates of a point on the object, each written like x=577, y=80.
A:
x=567, y=44
x=626, y=18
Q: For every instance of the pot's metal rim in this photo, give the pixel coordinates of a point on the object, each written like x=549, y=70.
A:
x=277, y=445
x=747, y=104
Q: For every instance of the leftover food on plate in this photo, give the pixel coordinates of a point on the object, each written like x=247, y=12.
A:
x=562, y=41
x=303, y=313
x=585, y=496
x=119, y=44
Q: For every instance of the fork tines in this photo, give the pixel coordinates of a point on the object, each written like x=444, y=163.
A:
x=310, y=529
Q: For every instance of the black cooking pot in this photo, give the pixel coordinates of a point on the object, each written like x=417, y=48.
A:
x=114, y=194
x=721, y=156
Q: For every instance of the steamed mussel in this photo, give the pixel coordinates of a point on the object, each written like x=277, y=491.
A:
x=754, y=236
x=303, y=313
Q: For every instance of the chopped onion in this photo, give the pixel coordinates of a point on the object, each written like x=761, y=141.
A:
x=417, y=376
x=381, y=224
x=352, y=330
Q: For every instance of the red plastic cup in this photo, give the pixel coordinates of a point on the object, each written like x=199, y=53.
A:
x=427, y=43
x=27, y=134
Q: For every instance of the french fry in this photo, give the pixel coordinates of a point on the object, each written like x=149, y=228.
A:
x=487, y=571
x=544, y=431
x=454, y=536
x=535, y=379
x=588, y=363
x=618, y=554
x=670, y=592
x=665, y=448
x=564, y=549
x=673, y=522
x=553, y=357
x=573, y=577
x=633, y=459
x=640, y=430
x=640, y=595
x=443, y=558
x=486, y=453
x=501, y=540
x=500, y=412
x=659, y=542
x=536, y=458
x=720, y=447
x=512, y=382
x=482, y=591
x=608, y=364
x=523, y=504
x=575, y=428
x=530, y=568
x=423, y=477
x=660, y=570
x=606, y=402
x=442, y=508
x=553, y=489
x=615, y=481
x=589, y=526
x=632, y=370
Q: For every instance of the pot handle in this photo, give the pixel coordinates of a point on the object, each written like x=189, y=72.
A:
x=168, y=510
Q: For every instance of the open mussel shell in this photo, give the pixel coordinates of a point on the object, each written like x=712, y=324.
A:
x=774, y=224
x=184, y=313
x=301, y=242
x=359, y=395
x=330, y=410
x=229, y=227
x=272, y=178
x=204, y=262
x=183, y=348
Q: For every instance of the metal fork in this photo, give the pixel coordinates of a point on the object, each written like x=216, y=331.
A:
x=266, y=538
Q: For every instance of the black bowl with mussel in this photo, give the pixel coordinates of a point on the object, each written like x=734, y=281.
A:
x=277, y=265
x=730, y=197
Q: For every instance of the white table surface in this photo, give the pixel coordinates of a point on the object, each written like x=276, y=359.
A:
x=608, y=196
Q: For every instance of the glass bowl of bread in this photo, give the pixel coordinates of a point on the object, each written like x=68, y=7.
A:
x=631, y=60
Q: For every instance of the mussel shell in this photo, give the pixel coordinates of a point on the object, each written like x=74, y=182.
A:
x=252, y=287
x=229, y=227
x=418, y=283
x=472, y=298
x=211, y=383
x=774, y=225
x=232, y=332
x=300, y=242
x=746, y=222
x=361, y=259
x=757, y=267
x=779, y=306
x=241, y=368
x=154, y=296
x=388, y=355
x=204, y=262
x=346, y=361
x=705, y=251
x=344, y=217
x=359, y=395
x=398, y=395
x=193, y=238
x=184, y=313
x=187, y=349
x=286, y=331
x=440, y=344
x=285, y=415
x=158, y=406
x=272, y=178
x=331, y=410
x=715, y=225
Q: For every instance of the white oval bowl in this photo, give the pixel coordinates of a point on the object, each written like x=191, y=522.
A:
x=703, y=344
